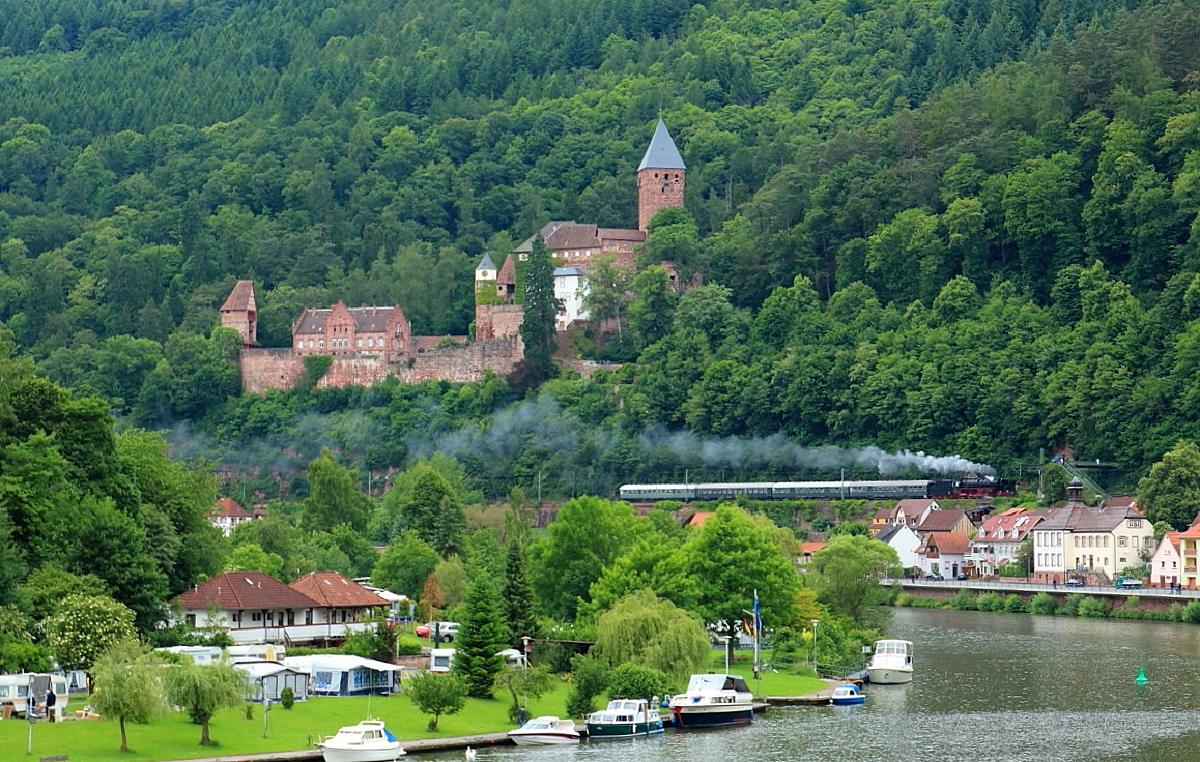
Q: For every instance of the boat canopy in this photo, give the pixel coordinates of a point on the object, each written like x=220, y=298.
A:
x=711, y=682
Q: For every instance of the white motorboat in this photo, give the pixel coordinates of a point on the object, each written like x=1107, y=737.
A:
x=624, y=718
x=543, y=730
x=713, y=701
x=368, y=741
x=891, y=663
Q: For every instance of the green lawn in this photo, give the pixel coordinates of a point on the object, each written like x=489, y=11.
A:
x=174, y=737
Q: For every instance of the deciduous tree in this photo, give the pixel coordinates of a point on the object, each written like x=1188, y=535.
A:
x=129, y=685
x=202, y=689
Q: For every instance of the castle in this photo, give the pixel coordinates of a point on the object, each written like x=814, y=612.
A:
x=369, y=344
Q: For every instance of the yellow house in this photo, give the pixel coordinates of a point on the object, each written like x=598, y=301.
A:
x=1189, y=551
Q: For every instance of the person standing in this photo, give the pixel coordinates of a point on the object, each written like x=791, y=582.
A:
x=51, y=700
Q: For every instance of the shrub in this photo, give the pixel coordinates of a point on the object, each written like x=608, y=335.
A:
x=989, y=602
x=1042, y=603
x=589, y=676
x=1014, y=603
x=286, y=697
x=1191, y=613
x=1092, y=608
x=963, y=601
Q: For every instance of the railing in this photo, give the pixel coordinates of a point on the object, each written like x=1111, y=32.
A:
x=296, y=633
x=1015, y=586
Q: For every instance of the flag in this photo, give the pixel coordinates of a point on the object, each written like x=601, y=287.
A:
x=757, y=616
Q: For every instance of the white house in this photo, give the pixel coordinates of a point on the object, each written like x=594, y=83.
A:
x=570, y=287
x=227, y=514
x=901, y=538
x=253, y=607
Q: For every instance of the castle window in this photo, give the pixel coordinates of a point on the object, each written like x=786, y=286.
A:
x=370, y=342
x=321, y=343
x=358, y=342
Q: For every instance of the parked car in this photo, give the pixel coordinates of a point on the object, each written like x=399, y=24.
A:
x=1127, y=582
x=934, y=576
x=1074, y=582
x=961, y=576
x=445, y=631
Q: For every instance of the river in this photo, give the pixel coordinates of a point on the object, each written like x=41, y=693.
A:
x=987, y=686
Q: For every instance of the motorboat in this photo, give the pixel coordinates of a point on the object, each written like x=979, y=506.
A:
x=891, y=663
x=624, y=718
x=544, y=730
x=713, y=700
x=368, y=741
x=847, y=693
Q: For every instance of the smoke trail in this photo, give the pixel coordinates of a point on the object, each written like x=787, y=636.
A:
x=778, y=452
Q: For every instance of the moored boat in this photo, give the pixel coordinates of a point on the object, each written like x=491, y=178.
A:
x=713, y=700
x=368, y=741
x=847, y=693
x=624, y=718
x=543, y=730
x=891, y=663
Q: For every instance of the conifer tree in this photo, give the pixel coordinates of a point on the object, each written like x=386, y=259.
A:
x=480, y=636
x=516, y=596
x=539, y=306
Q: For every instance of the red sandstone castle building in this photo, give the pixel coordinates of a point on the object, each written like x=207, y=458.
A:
x=368, y=344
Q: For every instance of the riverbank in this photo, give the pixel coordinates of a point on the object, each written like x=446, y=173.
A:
x=289, y=734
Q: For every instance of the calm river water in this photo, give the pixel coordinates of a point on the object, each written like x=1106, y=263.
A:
x=1005, y=687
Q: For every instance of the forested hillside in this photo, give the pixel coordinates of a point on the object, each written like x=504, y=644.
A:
x=965, y=227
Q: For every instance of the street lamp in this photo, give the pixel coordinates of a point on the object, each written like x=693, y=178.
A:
x=814, y=644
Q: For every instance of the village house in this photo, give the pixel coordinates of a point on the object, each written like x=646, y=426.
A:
x=944, y=521
x=998, y=540
x=340, y=599
x=909, y=511
x=944, y=553
x=1165, y=566
x=253, y=607
x=227, y=514
x=901, y=538
x=1093, y=543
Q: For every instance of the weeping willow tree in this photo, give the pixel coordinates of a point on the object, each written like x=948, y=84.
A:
x=644, y=630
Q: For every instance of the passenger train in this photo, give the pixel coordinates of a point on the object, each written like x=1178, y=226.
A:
x=965, y=488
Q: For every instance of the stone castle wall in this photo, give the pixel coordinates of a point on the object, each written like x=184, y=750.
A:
x=264, y=369
x=497, y=321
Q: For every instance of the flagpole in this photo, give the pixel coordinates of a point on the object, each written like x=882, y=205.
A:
x=757, y=635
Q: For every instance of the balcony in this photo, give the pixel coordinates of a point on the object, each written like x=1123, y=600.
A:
x=296, y=633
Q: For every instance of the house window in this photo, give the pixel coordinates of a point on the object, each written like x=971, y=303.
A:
x=1135, y=541
x=256, y=617
x=1121, y=541
x=1134, y=523
x=191, y=620
x=1172, y=564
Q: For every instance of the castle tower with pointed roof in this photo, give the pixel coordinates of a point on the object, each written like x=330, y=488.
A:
x=659, y=176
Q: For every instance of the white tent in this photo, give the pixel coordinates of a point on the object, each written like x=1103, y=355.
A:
x=345, y=674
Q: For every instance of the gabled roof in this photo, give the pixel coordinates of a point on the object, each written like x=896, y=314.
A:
x=486, y=263
x=914, y=505
x=621, y=234
x=699, y=518
x=333, y=590
x=941, y=521
x=808, y=548
x=228, y=509
x=562, y=272
x=241, y=298
x=239, y=591
x=883, y=514
x=1083, y=518
x=1000, y=527
x=946, y=542
x=1121, y=501
x=888, y=531
x=662, y=153
x=366, y=319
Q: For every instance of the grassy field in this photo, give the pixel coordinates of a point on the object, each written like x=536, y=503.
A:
x=175, y=737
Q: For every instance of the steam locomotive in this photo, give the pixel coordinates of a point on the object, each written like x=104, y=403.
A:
x=972, y=487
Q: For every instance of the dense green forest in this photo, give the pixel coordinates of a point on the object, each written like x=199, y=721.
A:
x=959, y=227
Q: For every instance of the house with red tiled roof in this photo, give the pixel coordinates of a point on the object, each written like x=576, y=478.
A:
x=909, y=511
x=227, y=514
x=253, y=607
x=944, y=521
x=998, y=540
x=341, y=600
x=944, y=553
x=806, y=551
x=1165, y=566
x=698, y=518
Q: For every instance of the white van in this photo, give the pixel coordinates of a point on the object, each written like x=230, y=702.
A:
x=16, y=689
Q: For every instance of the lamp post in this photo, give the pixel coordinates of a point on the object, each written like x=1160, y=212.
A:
x=814, y=644
x=727, y=639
